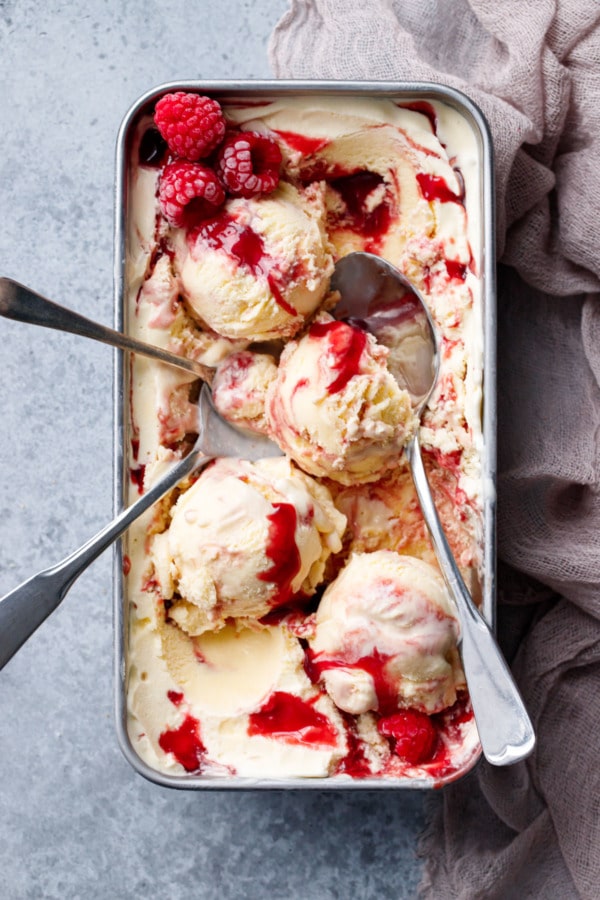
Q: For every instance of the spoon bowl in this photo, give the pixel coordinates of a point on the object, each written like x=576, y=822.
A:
x=377, y=297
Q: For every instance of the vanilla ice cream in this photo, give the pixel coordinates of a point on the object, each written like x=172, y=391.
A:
x=386, y=636
x=240, y=388
x=260, y=267
x=286, y=619
x=237, y=700
x=244, y=539
x=335, y=407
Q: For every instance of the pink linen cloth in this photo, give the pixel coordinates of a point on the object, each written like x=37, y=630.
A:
x=533, y=66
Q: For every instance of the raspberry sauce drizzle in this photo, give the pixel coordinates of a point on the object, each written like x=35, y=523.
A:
x=434, y=187
x=449, y=724
x=345, y=348
x=362, y=211
x=176, y=697
x=291, y=719
x=456, y=270
x=426, y=109
x=354, y=763
x=354, y=191
x=282, y=550
x=374, y=665
x=153, y=150
x=184, y=742
x=137, y=477
x=245, y=246
x=301, y=143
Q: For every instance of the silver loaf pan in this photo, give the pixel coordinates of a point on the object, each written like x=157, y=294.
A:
x=253, y=91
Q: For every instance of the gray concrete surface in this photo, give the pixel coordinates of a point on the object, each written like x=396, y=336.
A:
x=77, y=821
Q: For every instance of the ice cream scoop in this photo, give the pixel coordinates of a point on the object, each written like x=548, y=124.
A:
x=259, y=268
x=24, y=609
x=240, y=386
x=244, y=539
x=385, y=636
x=376, y=295
x=378, y=298
x=335, y=407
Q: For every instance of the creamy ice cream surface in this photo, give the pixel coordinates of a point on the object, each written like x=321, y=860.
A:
x=240, y=388
x=335, y=407
x=259, y=268
x=243, y=540
x=286, y=619
x=386, y=636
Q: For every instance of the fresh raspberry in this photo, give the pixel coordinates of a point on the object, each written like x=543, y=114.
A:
x=413, y=733
x=248, y=163
x=193, y=126
x=189, y=192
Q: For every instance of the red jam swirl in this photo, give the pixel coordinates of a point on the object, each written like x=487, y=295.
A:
x=153, y=151
x=301, y=143
x=176, y=697
x=345, y=346
x=456, y=270
x=184, y=743
x=137, y=477
x=426, y=109
x=291, y=719
x=245, y=246
x=282, y=550
x=354, y=190
x=375, y=665
x=354, y=763
x=434, y=187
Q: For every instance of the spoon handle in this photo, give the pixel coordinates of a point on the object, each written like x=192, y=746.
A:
x=24, y=305
x=24, y=609
x=504, y=727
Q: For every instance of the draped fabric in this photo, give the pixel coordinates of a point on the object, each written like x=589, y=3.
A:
x=533, y=829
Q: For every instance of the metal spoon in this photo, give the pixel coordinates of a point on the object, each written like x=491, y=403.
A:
x=379, y=298
x=24, y=305
x=24, y=609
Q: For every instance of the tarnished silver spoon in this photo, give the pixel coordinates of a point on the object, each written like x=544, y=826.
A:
x=375, y=295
